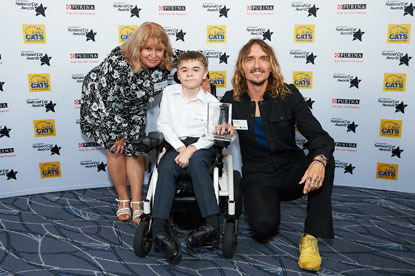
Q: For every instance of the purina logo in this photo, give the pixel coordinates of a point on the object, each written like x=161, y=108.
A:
x=172, y=10
x=216, y=33
x=89, y=164
x=212, y=54
x=221, y=10
x=50, y=169
x=9, y=173
x=307, y=56
x=339, y=103
x=176, y=33
x=44, y=128
x=311, y=9
x=34, y=34
x=403, y=7
x=46, y=105
x=125, y=31
x=80, y=9
x=260, y=9
x=90, y=146
x=303, y=80
x=351, y=6
x=394, y=82
x=4, y=108
x=341, y=57
x=304, y=33
x=339, y=122
x=258, y=31
x=7, y=153
x=390, y=128
x=393, y=150
x=387, y=171
x=399, y=33
x=84, y=57
x=77, y=103
x=348, y=167
x=218, y=78
x=355, y=33
x=39, y=82
x=85, y=32
x=393, y=104
x=346, y=147
x=401, y=58
x=353, y=81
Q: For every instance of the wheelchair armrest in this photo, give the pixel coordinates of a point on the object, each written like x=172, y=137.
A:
x=146, y=143
x=220, y=143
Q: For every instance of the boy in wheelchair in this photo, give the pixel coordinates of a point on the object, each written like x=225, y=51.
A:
x=182, y=120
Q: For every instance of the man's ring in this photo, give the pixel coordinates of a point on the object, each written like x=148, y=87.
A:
x=314, y=181
x=309, y=178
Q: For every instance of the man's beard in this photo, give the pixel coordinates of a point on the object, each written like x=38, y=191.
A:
x=257, y=83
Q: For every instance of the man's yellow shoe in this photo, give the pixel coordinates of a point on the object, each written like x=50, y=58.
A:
x=309, y=255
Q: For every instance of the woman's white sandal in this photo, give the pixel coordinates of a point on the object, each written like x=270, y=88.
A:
x=123, y=210
x=137, y=213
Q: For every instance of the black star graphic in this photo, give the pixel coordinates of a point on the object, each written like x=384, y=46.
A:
x=310, y=58
x=352, y=127
x=55, y=150
x=313, y=11
x=404, y=60
x=1, y=85
x=11, y=174
x=135, y=11
x=40, y=10
x=400, y=107
x=5, y=132
x=310, y=102
x=180, y=35
x=396, y=152
x=90, y=35
x=223, y=12
x=409, y=10
x=45, y=60
x=224, y=58
x=50, y=106
x=355, y=82
x=358, y=35
x=267, y=35
x=101, y=167
x=349, y=168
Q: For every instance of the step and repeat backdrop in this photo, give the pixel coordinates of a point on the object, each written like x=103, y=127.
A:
x=352, y=61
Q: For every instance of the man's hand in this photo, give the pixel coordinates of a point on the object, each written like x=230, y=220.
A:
x=314, y=176
x=182, y=160
x=224, y=128
x=117, y=147
x=206, y=86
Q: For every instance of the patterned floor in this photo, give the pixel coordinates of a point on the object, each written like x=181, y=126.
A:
x=76, y=233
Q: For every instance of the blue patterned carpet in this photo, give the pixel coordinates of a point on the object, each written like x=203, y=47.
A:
x=76, y=233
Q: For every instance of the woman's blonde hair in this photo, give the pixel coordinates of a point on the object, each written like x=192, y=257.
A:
x=275, y=81
x=131, y=49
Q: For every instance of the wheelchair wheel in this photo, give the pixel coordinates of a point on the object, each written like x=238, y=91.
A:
x=237, y=192
x=229, y=240
x=143, y=239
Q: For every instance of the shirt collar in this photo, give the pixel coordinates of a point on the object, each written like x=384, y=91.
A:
x=202, y=96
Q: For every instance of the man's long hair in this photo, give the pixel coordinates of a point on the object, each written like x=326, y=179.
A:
x=275, y=81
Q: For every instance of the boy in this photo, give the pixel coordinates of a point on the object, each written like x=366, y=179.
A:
x=182, y=120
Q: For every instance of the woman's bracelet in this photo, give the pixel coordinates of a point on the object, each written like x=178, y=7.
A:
x=324, y=165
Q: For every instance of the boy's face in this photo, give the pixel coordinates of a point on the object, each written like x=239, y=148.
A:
x=191, y=73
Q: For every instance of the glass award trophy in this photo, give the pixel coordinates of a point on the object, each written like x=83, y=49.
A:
x=219, y=121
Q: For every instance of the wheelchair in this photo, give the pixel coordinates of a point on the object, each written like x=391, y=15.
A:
x=185, y=211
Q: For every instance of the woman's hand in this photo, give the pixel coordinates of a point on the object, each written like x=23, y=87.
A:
x=118, y=147
x=314, y=176
x=206, y=86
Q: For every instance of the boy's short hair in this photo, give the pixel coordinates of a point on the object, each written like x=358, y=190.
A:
x=193, y=55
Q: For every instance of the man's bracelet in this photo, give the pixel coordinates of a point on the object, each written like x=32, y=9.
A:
x=324, y=165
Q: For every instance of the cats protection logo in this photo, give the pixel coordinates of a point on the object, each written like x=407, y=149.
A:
x=394, y=82
x=304, y=33
x=303, y=79
x=44, y=128
x=399, y=33
x=390, y=128
x=39, y=82
x=218, y=78
x=34, y=34
x=50, y=169
x=387, y=171
x=125, y=31
x=216, y=33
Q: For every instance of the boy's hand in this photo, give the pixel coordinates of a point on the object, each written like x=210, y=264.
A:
x=182, y=160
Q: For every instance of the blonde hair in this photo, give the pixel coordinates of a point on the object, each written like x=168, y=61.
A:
x=275, y=84
x=131, y=49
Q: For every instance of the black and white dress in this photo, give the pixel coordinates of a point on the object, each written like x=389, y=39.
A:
x=114, y=100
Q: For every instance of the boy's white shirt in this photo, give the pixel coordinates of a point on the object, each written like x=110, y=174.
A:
x=180, y=118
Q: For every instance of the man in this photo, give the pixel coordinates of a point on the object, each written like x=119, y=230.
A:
x=265, y=112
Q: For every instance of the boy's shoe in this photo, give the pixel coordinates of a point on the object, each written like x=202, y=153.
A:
x=166, y=242
x=309, y=255
x=204, y=235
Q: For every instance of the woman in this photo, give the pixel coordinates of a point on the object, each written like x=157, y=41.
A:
x=113, y=110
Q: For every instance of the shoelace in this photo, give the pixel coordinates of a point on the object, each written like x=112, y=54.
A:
x=309, y=242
